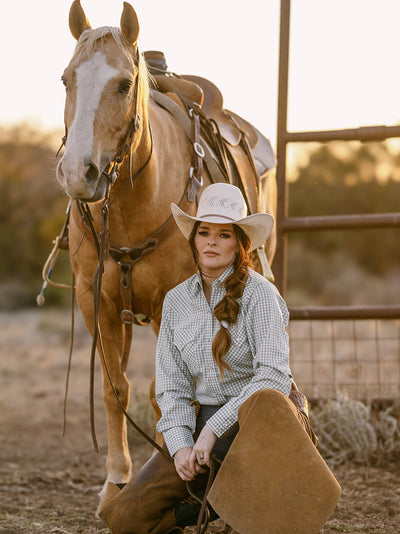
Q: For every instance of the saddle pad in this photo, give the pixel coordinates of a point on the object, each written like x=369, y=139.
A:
x=273, y=479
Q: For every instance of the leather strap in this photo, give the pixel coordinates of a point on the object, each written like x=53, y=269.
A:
x=196, y=171
x=176, y=111
x=102, y=241
x=204, y=514
x=126, y=257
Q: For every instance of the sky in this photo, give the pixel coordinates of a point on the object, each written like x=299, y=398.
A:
x=344, y=65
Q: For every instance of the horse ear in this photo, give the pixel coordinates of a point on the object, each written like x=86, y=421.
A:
x=78, y=22
x=129, y=24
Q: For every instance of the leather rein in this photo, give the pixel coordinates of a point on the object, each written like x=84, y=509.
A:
x=119, y=254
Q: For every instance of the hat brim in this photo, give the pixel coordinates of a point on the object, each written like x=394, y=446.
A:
x=257, y=227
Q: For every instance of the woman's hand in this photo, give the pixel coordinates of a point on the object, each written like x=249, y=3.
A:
x=184, y=467
x=202, y=449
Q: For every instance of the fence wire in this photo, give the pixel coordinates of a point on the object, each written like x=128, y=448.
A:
x=358, y=357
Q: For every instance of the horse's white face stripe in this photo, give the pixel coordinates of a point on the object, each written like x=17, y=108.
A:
x=91, y=78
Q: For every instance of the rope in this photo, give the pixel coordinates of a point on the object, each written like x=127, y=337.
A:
x=71, y=345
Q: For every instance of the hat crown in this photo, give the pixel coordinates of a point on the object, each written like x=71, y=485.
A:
x=224, y=204
x=223, y=201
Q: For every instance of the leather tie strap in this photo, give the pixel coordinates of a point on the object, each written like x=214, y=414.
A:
x=196, y=171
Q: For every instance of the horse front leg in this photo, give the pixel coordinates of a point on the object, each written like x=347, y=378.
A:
x=118, y=463
x=115, y=382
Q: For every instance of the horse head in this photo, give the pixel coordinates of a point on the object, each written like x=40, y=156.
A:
x=103, y=88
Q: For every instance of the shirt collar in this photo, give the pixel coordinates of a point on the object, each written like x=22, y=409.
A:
x=219, y=281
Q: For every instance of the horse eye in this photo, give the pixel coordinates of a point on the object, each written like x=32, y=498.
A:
x=125, y=87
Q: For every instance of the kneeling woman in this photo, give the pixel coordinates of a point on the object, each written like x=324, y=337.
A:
x=222, y=338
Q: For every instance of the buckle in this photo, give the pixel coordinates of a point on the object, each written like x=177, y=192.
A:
x=198, y=149
x=127, y=316
x=136, y=122
x=192, y=176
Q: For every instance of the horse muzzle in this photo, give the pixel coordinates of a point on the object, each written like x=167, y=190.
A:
x=81, y=180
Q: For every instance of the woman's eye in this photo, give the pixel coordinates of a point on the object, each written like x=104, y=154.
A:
x=203, y=233
x=225, y=236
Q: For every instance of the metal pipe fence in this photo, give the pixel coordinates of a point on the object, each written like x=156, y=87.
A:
x=350, y=348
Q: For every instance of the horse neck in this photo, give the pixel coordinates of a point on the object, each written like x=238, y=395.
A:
x=141, y=196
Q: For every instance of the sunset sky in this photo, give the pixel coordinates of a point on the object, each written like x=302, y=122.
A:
x=344, y=56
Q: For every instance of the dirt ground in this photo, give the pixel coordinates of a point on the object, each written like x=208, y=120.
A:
x=49, y=483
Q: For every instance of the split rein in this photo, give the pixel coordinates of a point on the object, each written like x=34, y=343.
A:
x=102, y=246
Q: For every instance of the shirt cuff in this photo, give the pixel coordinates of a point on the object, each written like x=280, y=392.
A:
x=177, y=438
x=222, y=423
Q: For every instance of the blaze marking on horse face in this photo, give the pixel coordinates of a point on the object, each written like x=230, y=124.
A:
x=91, y=78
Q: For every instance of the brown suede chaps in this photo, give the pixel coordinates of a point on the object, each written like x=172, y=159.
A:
x=147, y=504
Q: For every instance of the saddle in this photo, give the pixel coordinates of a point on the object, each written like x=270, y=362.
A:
x=246, y=155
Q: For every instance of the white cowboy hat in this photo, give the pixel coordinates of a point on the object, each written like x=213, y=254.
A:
x=224, y=204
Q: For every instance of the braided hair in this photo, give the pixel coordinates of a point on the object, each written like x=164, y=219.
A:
x=228, y=308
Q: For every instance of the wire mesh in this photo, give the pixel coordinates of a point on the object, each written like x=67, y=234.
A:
x=358, y=357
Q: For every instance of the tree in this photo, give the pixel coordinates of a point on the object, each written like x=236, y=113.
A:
x=352, y=184
x=32, y=208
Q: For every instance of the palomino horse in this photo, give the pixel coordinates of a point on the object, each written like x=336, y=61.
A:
x=126, y=153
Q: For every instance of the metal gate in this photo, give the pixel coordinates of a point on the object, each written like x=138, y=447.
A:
x=345, y=368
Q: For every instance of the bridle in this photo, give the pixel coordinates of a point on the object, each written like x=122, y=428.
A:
x=125, y=257
x=111, y=172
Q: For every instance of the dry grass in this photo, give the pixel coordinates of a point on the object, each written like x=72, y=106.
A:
x=351, y=431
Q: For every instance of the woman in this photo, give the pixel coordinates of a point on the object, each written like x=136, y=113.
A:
x=222, y=338
x=223, y=329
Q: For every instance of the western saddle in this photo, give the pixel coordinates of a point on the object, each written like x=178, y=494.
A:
x=235, y=151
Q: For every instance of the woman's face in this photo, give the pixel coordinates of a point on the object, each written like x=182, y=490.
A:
x=216, y=246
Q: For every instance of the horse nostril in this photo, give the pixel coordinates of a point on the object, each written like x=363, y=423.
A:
x=92, y=174
x=60, y=173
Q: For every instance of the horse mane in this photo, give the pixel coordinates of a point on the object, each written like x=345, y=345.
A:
x=87, y=42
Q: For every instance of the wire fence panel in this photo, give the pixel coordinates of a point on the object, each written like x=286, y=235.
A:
x=358, y=357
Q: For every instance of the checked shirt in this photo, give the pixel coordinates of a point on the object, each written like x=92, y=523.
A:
x=186, y=370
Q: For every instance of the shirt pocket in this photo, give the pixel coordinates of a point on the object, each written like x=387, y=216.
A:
x=187, y=342
x=239, y=354
x=238, y=336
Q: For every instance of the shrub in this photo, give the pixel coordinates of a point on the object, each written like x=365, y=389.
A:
x=352, y=431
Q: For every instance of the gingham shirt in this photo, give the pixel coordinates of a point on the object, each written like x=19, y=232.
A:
x=185, y=367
